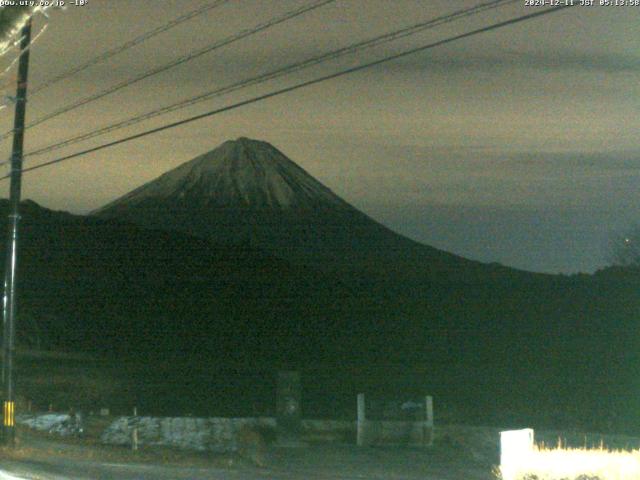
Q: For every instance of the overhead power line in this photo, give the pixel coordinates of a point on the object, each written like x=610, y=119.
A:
x=179, y=61
x=279, y=72
x=130, y=44
x=299, y=86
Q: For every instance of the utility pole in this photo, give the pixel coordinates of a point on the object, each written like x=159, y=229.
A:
x=9, y=304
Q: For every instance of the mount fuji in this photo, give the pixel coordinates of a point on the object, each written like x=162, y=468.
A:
x=248, y=192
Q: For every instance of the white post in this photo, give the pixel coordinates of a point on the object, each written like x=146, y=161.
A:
x=428, y=434
x=516, y=446
x=134, y=433
x=361, y=420
x=134, y=439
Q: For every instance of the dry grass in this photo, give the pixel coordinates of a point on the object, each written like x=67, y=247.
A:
x=562, y=463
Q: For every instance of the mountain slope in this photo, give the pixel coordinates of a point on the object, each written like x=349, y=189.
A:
x=248, y=192
x=532, y=346
x=87, y=284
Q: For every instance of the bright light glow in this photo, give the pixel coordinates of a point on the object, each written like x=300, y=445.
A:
x=17, y=57
x=558, y=463
x=516, y=446
x=12, y=41
x=7, y=476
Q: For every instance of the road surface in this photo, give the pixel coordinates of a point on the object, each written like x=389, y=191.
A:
x=311, y=462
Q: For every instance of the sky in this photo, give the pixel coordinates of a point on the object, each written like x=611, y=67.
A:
x=516, y=146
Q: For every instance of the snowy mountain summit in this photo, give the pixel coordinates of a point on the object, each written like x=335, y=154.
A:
x=240, y=173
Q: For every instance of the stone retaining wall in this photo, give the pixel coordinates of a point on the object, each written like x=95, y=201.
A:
x=204, y=434
x=219, y=434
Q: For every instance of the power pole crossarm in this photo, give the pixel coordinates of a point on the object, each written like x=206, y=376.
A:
x=9, y=304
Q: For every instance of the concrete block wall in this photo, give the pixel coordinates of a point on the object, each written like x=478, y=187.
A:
x=390, y=432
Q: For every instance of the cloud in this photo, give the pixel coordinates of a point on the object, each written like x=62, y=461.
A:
x=580, y=162
x=552, y=61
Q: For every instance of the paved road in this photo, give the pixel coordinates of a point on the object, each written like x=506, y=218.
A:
x=325, y=463
x=106, y=471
